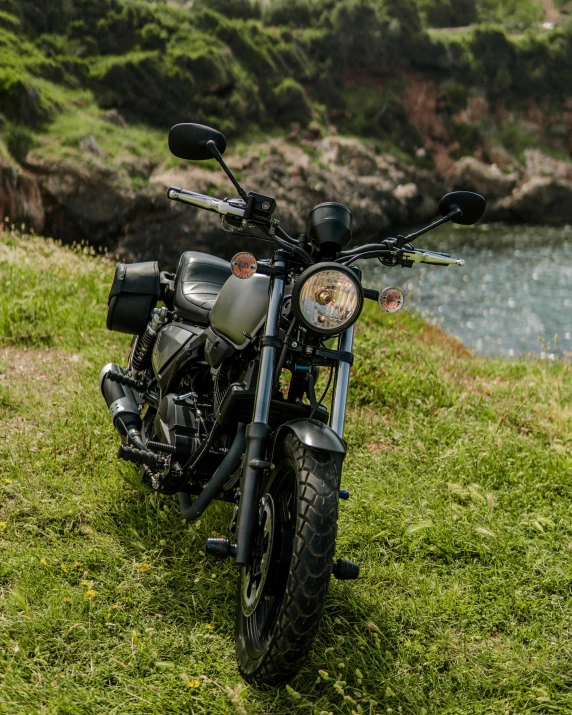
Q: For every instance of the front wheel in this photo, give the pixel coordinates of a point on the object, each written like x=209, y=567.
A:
x=281, y=596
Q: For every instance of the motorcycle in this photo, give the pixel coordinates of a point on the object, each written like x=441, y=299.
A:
x=218, y=399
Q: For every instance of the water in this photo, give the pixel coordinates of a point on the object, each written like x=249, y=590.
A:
x=514, y=294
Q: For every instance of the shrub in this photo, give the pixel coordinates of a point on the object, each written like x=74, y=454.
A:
x=240, y=9
x=380, y=115
x=514, y=14
x=290, y=103
x=448, y=13
x=19, y=141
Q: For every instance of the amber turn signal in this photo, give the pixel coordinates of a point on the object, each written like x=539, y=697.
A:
x=391, y=300
x=243, y=265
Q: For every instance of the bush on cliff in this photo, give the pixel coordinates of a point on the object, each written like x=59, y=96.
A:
x=240, y=66
x=291, y=103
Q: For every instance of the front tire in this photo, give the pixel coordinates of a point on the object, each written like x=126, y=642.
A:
x=281, y=596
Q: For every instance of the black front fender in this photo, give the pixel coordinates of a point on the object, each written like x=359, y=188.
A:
x=313, y=434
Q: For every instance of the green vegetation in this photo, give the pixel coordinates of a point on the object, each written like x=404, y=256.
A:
x=514, y=14
x=460, y=472
x=247, y=68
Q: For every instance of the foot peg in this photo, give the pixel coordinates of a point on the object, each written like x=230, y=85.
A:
x=138, y=385
x=221, y=548
x=345, y=570
x=344, y=494
x=132, y=454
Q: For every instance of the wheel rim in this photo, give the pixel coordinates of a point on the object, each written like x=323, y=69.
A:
x=266, y=585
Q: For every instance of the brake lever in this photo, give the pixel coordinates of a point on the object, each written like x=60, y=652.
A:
x=438, y=259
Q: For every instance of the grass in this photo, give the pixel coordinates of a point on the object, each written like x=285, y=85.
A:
x=460, y=473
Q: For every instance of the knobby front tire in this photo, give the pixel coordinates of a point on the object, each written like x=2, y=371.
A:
x=280, y=601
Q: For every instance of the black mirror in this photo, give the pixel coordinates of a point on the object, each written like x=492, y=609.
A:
x=472, y=205
x=189, y=141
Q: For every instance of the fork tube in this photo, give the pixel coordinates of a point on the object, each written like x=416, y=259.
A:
x=341, y=385
x=258, y=431
x=266, y=372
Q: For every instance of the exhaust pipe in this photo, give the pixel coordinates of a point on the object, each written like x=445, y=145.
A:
x=122, y=405
x=192, y=510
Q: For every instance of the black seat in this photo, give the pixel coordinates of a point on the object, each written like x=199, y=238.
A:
x=199, y=280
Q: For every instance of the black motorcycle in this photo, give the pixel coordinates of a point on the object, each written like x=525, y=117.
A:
x=218, y=399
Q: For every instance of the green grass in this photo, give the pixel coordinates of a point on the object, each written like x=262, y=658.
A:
x=460, y=473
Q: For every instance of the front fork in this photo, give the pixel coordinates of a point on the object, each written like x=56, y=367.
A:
x=258, y=431
x=341, y=384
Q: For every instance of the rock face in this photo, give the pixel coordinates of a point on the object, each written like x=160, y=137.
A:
x=94, y=203
x=88, y=205
x=470, y=174
x=378, y=190
x=124, y=209
x=539, y=200
x=20, y=197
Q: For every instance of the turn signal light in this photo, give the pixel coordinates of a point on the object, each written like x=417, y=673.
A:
x=243, y=265
x=391, y=300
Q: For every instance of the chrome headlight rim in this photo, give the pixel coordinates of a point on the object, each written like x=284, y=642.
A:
x=309, y=273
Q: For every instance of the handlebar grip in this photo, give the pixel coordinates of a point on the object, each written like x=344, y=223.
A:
x=209, y=203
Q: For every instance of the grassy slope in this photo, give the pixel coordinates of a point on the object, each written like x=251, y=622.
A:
x=158, y=63
x=459, y=469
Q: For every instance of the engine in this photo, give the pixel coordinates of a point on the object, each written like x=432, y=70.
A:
x=176, y=424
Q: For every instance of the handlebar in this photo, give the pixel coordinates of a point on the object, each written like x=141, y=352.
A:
x=224, y=207
x=401, y=255
x=237, y=207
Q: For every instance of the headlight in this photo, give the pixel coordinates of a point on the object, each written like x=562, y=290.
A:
x=327, y=298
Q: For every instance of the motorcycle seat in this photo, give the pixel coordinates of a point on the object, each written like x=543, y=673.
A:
x=199, y=279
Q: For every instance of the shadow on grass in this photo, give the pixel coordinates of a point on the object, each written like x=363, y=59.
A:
x=194, y=591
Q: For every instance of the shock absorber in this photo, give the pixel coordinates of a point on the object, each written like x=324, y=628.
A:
x=142, y=354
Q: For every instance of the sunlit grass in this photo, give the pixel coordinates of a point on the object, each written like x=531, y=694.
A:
x=460, y=474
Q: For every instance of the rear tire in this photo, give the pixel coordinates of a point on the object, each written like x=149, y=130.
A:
x=281, y=597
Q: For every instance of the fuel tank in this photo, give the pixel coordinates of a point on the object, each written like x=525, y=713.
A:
x=240, y=308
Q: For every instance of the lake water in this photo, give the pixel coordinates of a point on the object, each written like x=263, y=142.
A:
x=514, y=294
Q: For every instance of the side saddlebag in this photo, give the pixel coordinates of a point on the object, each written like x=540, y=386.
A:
x=134, y=293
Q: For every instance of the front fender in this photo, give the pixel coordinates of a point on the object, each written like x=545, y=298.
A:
x=313, y=434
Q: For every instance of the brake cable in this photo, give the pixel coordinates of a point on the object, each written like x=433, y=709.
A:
x=322, y=398
x=283, y=352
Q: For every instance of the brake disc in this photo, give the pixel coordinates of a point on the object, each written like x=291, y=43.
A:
x=254, y=577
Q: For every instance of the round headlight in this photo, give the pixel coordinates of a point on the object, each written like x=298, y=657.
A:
x=327, y=298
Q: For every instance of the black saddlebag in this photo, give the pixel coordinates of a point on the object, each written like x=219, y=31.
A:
x=134, y=293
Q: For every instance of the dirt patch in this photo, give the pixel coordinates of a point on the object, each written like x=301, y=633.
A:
x=377, y=447
x=42, y=370
x=552, y=14
x=427, y=109
x=32, y=384
x=433, y=335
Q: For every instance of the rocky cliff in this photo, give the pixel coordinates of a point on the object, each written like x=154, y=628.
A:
x=89, y=201
x=358, y=101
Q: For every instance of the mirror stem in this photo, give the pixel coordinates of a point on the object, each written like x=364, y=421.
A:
x=412, y=236
x=218, y=156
